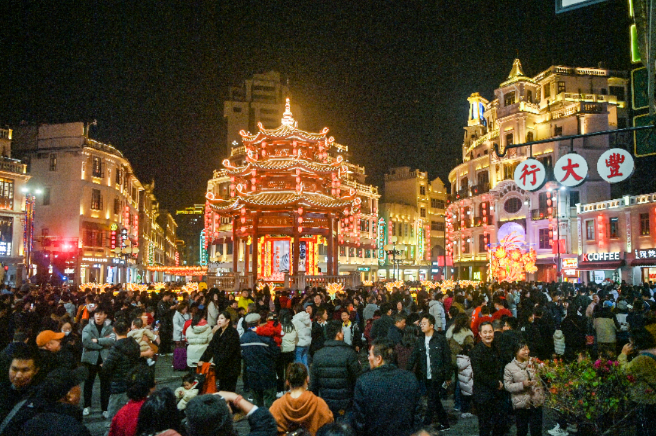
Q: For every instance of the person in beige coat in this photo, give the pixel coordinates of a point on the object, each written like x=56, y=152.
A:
x=526, y=393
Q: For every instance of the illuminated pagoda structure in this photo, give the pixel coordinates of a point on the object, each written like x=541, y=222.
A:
x=280, y=205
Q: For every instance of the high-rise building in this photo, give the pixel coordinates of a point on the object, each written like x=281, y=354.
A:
x=190, y=223
x=486, y=202
x=260, y=99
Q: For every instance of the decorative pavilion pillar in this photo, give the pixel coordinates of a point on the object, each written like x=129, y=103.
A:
x=335, y=253
x=297, y=246
x=246, y=256
x=235, y=246
x=255, y=244
x=329, y=238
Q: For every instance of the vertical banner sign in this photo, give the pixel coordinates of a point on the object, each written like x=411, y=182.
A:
x=302, y=255
x=382, y=238
x=203, y=250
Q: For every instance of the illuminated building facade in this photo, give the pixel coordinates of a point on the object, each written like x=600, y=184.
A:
x=412, y=219
x=485, y=201
x=13, y=217
x=288, y=202
x=191, y=221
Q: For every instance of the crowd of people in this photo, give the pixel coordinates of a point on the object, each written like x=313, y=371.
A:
x=360, y=362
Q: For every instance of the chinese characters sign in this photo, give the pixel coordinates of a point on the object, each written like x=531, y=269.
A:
x=571, y=170
x=530, y=175
x=645, y=254
x=615, y=165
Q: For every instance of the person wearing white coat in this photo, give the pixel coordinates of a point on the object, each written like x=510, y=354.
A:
x=303, y=326
x=199, y=335
x=465, y=381
x=179, y=318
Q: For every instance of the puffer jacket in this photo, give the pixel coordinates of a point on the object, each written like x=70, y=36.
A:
x=289, y=341
x=465, y=375
x=123, y=356
x=178, y=324
x=334, y=371
x=436, y=308
x=513, y=381
x=303, y=325
x=93, y=350
x=559, y=342
x=198, y=338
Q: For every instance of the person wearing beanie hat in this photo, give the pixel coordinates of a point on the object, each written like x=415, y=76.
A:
x=260, y=355
x=209, y=415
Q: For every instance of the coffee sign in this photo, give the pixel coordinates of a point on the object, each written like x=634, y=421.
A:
x=595, y=257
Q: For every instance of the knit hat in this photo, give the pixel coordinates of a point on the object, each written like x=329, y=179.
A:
x=46, y=336
x=253, y=318
x=208, y=415
x=60, y=381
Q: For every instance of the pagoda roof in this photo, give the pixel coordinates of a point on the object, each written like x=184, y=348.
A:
x=281, y=199
x=288, y=130
x=285, y=164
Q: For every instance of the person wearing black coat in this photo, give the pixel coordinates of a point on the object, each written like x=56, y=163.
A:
x=224, y=350
x=334, y=371
x=381, y=326
x=395, y=333
x=488, y=384
x=260, y=355
x=164, y=315
x=386, y=398
x=574, y=330
x=432, y=355
x=318, y=330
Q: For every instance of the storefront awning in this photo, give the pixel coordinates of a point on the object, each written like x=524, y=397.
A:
x=643, y=262
x=601, y=266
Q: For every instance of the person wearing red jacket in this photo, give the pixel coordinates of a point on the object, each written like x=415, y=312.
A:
x=500, y=309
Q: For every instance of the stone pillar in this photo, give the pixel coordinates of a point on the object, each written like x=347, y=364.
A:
x=256, y=253
x=329, y=238
x=235, y=247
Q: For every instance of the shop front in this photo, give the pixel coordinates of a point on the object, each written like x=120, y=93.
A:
x=101, y=270
x=643, y=265
x=601, y=267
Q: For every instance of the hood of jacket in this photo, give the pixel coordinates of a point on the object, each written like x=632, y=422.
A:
x=269, y=329
x=460, y=336
x=433, y=303
x=558, y=335
x=200, y=328
x=299, y=409
x=303, y=317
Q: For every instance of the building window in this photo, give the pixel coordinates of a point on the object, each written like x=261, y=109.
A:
x=46, y=197
x=589, y=230
x=97, y=167
x=482, y=246
x=7, y=233
x=558, y=130
x=464, y=183
x=543, y=238
x=529, y=96
x=509, y=139
x=437, y=226
x=614, y=228
x=617, y=91
x=509, y=98
x=512, y=205
x=6, y=193
x=96, y=199
x=422, y=190
x=119, y=176
x=561, y=87
x=117, y=206
x=437, y=204
x=53, y=162
x=465, y=247
x=422, y=212
x=574, y=198
x=529, y=137
x=547, y=90
x=405, y=229
x=644, y=224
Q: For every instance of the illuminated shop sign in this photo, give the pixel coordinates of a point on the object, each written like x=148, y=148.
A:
x=645, y=254
x=594, y=257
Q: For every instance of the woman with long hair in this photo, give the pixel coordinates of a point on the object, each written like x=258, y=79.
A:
x=289, y=339
x=225, y=351
x=199, y=335
x=213, y=307
x=300, y=408
x=404, y=348
x=158, y=414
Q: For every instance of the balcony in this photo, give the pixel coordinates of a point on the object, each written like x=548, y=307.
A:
x=463, y=193
x=12, y=165
x=481, y=188
x=542, y=214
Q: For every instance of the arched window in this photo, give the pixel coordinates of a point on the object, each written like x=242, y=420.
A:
x=529, y=137
x=464, y=183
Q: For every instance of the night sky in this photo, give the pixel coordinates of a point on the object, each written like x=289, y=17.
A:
x=389, y=78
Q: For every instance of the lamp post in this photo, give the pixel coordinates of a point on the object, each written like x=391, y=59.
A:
x=392, y=251
x=28, y=233
x=559, y=266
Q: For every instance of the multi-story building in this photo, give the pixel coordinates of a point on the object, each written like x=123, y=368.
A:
x=413, y=217
x=190, y=223
x=87, y=212
x=616, y=240
x=259, y=99
x=486, y=202
x=169, y=229
x=13, y=217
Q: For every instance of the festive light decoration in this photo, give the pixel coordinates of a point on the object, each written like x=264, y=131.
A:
x=391, y=285
x=180, y=270
x=333, y=288
x=510, y=262
x=367, y=283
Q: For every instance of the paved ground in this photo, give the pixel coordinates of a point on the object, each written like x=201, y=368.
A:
x=166, y=377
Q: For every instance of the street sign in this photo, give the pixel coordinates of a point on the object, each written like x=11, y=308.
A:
x=639, y=88
x=571, y=170
x=569, y=5
x=644, y=141
x=530, y=175
x=615, y=165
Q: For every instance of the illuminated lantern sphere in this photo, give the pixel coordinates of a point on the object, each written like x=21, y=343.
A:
x=243, y=211
x=243, y=219
x=300, y=211
x=300, y=220
x=549, y=202
x=550, y=233
x=298, y=180
x=484, y=212
x=550, y=210
x=300, y=229
x=243, y=229
x=253, y=188
x=264, y=153
x=298, y=172
x=548, y=194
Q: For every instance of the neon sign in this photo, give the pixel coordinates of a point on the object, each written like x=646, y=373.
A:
x=381, y=241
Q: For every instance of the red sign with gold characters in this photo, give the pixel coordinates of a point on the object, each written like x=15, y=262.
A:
x=530, y=175
x=615, y=165
x=571, y=170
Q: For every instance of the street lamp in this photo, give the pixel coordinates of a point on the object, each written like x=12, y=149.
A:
x=393, y=252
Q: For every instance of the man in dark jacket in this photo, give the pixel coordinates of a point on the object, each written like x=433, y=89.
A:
x=164, y=314
x=122, y=357
x=260, y=355
x=335, y=369
x=23, y=378
x=318, y=330
x=386, y=398
x=382, y=325
x=395, y=333
x=506, y=342
x=433, y=357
